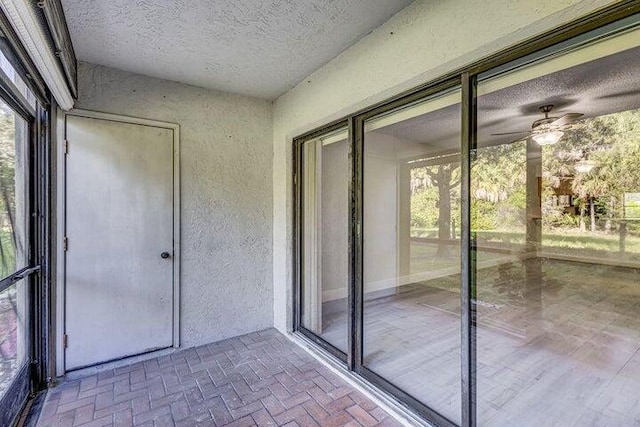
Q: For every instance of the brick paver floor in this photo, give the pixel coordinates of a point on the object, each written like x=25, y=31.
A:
x=258, y=379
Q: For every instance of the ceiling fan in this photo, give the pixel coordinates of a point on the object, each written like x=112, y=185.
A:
x=547, y=131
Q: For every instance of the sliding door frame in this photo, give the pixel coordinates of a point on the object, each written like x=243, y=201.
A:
x=600, y=23
x=298, y=250
x=358, y=224
x=467, y=255
x=32, y=375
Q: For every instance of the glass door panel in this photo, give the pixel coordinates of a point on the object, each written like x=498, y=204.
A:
x=411, y=251
x=555, y=191
x=13, y=333
x=14, y=137
x=14, y=303
x=326, y=209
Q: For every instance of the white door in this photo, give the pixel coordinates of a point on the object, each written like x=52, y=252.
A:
x=120, y=242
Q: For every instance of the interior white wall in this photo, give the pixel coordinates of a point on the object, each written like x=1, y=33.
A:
x=420, y=43
x=380, y=211
x=226, y=178
x=380, y=229
x=336, y=175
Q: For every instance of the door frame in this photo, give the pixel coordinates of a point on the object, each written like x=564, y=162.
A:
x=61, y=219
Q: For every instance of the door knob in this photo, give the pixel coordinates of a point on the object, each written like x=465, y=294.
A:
x=165, y=255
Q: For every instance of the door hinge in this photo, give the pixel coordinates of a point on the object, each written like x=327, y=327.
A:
x=66, y=147
x=295, y=179
x=65, y=244
x=65, y=341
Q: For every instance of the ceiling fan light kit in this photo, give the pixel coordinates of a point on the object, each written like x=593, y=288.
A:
x=548, y=138
x=546, y=131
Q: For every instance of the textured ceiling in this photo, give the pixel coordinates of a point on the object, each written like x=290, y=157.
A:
x=259, y=48
x=603, y=86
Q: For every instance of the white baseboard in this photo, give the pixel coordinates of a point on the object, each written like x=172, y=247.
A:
x=378, y=285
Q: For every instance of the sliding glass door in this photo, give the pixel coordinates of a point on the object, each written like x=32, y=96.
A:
x=472, y=248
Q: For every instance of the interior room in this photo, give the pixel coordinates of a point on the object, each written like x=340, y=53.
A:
x=319, y=213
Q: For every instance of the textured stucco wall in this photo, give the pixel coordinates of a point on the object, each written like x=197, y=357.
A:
x=226, y=177
x=258, y=48
x=420, y=43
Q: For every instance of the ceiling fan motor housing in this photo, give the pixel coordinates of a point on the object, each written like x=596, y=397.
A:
x=544, y=109
x=545, y=121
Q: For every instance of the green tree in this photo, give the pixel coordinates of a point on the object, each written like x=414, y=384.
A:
x=435, y=193
x=498, y=186
x=8, y=240
x=612, y=143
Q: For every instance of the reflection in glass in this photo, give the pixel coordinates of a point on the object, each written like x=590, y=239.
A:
x=13, y=332
x=326, y=211
x=557, y=224
x=13, y=138
x=411, y=231
x=13, y=220
x=9, y=70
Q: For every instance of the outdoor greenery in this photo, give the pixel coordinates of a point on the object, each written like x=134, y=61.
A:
x=8, y=238
x=604, y=213
x=9, y=312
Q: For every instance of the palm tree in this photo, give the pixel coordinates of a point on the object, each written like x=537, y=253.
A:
x=591, y=185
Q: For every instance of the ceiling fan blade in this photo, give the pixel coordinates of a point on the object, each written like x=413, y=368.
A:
x=620, y=94
x=567, y=119
x=512, y=133
x=498, y=141
x=518, y=140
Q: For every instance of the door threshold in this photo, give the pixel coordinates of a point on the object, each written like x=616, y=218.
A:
x=116, y=363
x=399, y=411
x=31, y=412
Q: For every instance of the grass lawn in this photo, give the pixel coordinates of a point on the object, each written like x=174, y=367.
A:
x=569, y=239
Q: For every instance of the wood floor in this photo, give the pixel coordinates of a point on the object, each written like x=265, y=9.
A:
x=558, y=343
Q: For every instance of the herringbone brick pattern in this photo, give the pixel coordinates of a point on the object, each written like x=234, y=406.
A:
x=258, y=379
